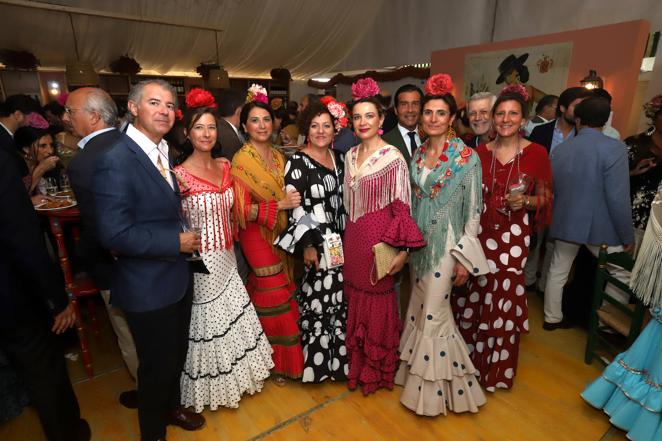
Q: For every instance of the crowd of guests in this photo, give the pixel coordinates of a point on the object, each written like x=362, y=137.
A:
x=223, y=262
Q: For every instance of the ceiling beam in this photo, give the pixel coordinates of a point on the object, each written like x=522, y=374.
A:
x=103, y=14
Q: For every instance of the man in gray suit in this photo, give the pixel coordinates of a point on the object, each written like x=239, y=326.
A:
x=591, y=201
x=404, y=136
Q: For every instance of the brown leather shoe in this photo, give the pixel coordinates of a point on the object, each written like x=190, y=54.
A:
x=185, y=419
x=129, y=399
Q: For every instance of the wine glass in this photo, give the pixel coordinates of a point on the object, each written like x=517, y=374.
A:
x=51, y=186
x=194, y=224
x=64, y=182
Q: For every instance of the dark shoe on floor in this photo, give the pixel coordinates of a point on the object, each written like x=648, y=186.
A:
x=185, y=419
x=129, y=399
x=83, y=432
x=563, y=324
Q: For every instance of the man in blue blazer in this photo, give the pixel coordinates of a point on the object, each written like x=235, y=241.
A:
x=138, y=218
x=591, y=200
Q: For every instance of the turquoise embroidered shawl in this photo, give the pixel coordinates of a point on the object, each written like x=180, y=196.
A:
x=450, y=196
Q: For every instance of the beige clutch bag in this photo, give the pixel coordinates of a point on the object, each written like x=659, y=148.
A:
x=384, y=255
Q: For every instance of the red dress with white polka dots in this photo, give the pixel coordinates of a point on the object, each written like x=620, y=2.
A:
x=494, y=312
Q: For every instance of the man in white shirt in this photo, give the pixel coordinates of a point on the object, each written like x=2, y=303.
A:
x=404, y=136
x=137, y=212
x=92, y=114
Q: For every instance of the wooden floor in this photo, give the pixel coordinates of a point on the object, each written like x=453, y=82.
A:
x=543, y=405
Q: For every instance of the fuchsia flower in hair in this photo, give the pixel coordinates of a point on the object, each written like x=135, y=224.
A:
x=364, y=88
x=36, y=121
x=200, y=98
x=517, y=89
x=439, y=84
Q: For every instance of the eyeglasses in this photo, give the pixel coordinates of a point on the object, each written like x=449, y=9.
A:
x=70, y=111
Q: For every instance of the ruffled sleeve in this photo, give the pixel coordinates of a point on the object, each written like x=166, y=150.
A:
x=468, y=250
x=303, y=226
x=403, y=231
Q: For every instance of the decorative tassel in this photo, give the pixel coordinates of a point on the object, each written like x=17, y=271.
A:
x=646, y=280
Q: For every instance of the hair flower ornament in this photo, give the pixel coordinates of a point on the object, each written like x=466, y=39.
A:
x=364, y=88
x=179, y=115
x=200, y=98
x=338, y=110
x=36, y=121
x=439, y=84
x=517, y=89
x=653, y=106
x=257, y=93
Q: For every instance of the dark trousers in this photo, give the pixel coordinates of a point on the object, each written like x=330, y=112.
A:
x=38, y=357
x=161, y=338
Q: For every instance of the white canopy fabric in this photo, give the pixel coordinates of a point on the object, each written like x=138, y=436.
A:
x=305, y=36
x=309, y=37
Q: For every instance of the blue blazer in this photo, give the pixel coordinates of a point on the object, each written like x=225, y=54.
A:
x=138, y=218
x=591, y=190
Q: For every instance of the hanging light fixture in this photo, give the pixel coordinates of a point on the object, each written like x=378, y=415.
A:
x=592, y=81
x=218, y=77
x=80, y=73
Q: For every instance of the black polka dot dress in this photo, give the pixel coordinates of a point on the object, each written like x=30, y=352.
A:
x=322, y=307
x=228, y=353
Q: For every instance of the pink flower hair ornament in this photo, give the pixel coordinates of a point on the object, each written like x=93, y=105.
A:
x=439, y=84
x=364, y=88
x=36, y=121
x=257, y=93
x=339, y=112
x=517, y=89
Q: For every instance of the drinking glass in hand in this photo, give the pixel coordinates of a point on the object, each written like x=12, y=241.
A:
x=194, y=225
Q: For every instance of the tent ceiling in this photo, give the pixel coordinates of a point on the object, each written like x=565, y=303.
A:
x=306, y=36
x=309, y=37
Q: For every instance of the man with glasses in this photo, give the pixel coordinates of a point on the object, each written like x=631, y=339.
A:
x=92, y=115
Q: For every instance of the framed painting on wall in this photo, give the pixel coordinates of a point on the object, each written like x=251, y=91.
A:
x=543, y=70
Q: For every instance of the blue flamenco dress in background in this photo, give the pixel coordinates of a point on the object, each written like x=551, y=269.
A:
x=630, y=388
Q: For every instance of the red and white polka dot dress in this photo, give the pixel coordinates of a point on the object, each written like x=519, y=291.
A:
x=494, y=311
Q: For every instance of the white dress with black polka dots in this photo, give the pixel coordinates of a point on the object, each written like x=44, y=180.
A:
x=228, y=353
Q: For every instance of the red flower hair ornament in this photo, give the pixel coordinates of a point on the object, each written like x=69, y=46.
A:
x=179, y=115
x=439, y=84
x=364, y=88
x=517, y=89
x=200, y=98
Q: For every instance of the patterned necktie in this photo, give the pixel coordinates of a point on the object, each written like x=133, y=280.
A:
x=161, y=168
x=412, y=142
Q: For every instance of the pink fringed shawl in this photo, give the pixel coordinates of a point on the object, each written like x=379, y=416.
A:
x=381, y=179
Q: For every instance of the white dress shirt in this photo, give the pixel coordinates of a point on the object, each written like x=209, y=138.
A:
x=8, y=131
x=405, y=135
x=88, y=138
x=153, y=151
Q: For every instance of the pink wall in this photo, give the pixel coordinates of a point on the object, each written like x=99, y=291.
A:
x=614, y=51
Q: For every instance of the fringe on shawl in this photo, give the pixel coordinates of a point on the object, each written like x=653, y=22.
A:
x=434, y=217
x=375, y=191
x=646, y=280
x=215, y=209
